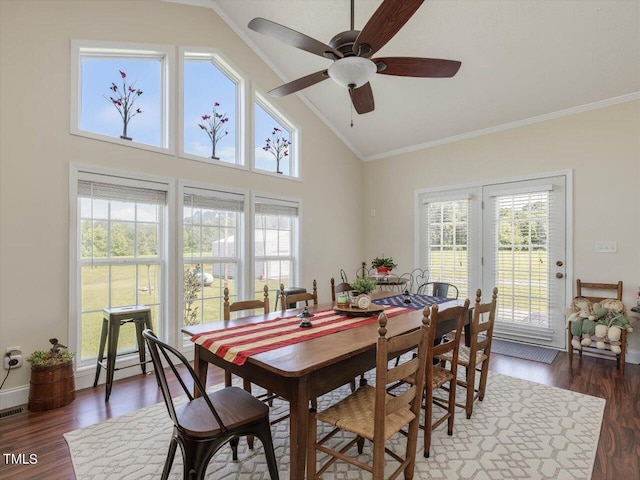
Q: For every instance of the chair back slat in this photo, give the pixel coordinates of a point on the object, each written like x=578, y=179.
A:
x=339, y=288
x=401, y=401
x=402, y=343
x=598, y=286
x=403, y=371
x=243, y=305
x=286, y=300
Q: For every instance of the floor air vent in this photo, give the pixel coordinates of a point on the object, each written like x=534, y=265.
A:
x=12, y=411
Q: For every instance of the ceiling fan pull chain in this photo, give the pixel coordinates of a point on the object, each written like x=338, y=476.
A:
x=351, y=115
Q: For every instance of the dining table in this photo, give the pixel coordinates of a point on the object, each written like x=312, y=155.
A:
x=324, y=359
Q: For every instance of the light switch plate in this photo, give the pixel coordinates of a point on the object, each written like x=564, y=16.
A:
x=606, y=246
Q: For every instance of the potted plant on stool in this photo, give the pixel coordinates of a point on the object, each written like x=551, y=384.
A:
x=52, y=384
x=383, y=264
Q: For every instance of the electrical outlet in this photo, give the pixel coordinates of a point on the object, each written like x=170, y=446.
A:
x=13, y=361
x=17, y=350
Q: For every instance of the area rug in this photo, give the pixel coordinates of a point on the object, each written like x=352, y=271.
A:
x=524, y=351
x=522, y=430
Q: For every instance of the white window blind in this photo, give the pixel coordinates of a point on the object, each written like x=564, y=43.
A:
x=213, y=200
x=122, y=193
x=446, y=248
x=270, y=206
x=521, y=229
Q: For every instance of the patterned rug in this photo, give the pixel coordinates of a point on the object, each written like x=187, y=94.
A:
x=522, y=430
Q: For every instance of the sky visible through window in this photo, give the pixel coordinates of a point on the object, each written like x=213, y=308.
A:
x=99, y=115
x=264, y=124
x=204, y=85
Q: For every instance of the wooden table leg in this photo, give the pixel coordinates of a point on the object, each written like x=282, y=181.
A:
x=201, y=367
x=299, y=428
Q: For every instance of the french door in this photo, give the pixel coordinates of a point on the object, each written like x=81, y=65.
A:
x=510, y=235
x=524, y=255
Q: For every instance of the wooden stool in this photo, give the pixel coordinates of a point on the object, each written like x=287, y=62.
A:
x=112, y=320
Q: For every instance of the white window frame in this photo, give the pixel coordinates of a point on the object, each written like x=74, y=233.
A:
x=92, y=48
x=295, y=256
x=166, y=261
x=241, y=246
x=235, y=75
x=293, y=130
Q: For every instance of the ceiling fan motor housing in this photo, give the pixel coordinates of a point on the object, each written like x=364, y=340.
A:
x=343, y=42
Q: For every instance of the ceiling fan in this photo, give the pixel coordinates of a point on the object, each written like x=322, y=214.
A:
x=351, y=53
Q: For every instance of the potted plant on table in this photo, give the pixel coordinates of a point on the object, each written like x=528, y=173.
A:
x=362, y=287
x=52, y=384
x=383, y=264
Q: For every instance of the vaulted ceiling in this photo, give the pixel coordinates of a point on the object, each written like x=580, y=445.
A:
x=522, y=61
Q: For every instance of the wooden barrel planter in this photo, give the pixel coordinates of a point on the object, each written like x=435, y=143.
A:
x=51, y=387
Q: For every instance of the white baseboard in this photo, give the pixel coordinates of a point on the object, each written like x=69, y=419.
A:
x=13, y=397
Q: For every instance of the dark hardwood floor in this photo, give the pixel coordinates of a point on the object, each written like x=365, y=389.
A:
x=618, y=455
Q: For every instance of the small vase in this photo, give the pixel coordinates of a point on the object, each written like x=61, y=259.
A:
x=353, y=298
x=383, y=270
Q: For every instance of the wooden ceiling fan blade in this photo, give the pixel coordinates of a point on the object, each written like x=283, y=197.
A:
x=418, y=67
x=362, y=98
x=387, y=20
x=293, y=38
x=299, y=84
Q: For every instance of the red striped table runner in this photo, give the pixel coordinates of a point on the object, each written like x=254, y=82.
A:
x=236, y=344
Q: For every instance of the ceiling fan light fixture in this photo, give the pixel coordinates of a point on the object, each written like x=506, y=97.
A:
x=352, y=72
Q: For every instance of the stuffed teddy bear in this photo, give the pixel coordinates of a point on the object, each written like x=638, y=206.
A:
x=581, y=325
x=610, y=321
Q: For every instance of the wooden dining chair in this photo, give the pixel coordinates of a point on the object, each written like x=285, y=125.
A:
x=437, y=376
x=371, y=413
x=241, y=306
x=475, y=357
x=204, y=424
x=439, y=289
x=339, y=288
x=286, y=300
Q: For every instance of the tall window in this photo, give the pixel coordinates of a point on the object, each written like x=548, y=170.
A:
x=522, y=261
x=447, y=249
x=212, y=252
x=275, y=243
x=121, y=260
x=120, y=93
x=212, y=96
x=275, y=141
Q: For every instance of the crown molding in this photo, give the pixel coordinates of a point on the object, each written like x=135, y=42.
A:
x=507, y=126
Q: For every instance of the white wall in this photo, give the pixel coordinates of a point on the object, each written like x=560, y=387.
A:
x=36, y=150
x=602, y=147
